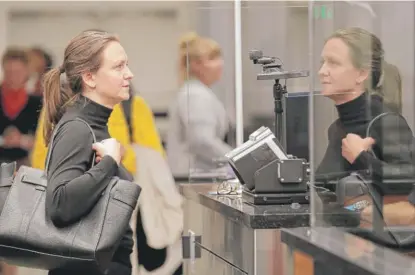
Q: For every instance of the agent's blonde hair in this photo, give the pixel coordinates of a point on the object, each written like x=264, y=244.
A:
x=193, y=47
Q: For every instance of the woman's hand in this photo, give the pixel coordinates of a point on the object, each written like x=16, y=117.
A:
x=11, y=137
x=353, y=145
x=110, y=147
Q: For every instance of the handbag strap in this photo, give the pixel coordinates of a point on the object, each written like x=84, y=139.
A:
x=54, y=136
x=374, y=120
x=377, y=118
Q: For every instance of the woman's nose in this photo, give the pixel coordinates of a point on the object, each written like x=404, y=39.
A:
x=129, y=74
x=322, y=71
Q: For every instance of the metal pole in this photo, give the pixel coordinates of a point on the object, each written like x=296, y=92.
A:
x=238, y=74
x=311, y=110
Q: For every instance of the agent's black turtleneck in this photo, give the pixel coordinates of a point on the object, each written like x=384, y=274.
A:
x=393, y=141
x=73, y=186
x=354, y=117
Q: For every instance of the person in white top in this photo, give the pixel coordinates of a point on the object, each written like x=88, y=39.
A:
x=198, y=120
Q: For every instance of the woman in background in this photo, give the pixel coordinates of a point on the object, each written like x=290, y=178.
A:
x=40, y=62
x=19, y=111
x=198, y=119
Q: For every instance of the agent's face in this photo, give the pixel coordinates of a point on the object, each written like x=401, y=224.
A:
x=209, y=69
x=37, y=63
x=214, y=68
x=338, y=75
x=112, y=80
x=15, y=74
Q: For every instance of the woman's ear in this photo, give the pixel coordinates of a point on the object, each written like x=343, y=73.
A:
x=89, y=79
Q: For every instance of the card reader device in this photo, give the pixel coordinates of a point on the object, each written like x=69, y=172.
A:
x=267, y=173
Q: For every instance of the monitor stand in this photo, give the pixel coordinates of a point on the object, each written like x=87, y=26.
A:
x=275, y=198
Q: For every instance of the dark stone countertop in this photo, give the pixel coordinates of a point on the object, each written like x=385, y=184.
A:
x=347, y=253
x=265, y=216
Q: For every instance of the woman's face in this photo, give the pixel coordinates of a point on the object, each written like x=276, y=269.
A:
x=112, y=80
x=37, y=63
x=338, y=75
x=15, y=73
x=210, y=69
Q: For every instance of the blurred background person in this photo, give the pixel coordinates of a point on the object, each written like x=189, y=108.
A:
x=198, y=123
x=19, y=111
x=40, y=62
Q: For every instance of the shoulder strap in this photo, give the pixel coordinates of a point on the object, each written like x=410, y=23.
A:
x=54, y=136
x=127, y=109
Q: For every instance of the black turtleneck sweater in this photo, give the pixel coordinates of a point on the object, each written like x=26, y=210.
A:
x=73, y=186
x=394, y=148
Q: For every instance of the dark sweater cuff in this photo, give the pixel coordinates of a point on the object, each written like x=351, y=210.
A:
x=362, y=160
x=108, y=165
x=118, y=269
x=122, y=257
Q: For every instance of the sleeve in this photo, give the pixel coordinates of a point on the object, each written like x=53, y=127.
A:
x=394, y=150
x=35, y=103
x=73, y=187
x=399, y=92
x=39, y=150
x=325, y=166
x=199, y=123
x=144, y=127
x=129, y=159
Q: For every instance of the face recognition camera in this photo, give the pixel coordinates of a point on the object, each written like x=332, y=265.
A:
x=273, y=70
x=268, y=174
x=258, y=58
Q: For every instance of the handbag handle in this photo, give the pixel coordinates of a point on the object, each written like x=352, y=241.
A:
x=374, y=120
x=48, y=157
x=370, y=126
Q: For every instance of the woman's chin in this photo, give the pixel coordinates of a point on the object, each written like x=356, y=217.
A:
x=125, y=95
x=327, y=92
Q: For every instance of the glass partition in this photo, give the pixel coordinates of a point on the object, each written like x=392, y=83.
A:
x=362, y=116
x=206, y=99
x=275, y=29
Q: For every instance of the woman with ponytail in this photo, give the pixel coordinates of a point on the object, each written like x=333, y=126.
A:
x=97, y=75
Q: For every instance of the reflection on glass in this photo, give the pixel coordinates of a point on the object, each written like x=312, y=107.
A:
x=364, y=147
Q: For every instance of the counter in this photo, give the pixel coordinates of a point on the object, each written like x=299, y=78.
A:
x=347, y=253
x=239, y=238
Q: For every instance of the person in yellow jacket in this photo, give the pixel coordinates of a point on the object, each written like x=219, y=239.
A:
x=143, y=132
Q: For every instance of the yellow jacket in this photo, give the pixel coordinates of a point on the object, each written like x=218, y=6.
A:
x=143, y=128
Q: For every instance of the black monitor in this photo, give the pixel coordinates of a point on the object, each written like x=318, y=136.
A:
x=296, y=121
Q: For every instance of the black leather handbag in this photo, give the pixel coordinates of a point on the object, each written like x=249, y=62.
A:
x=29, y=238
